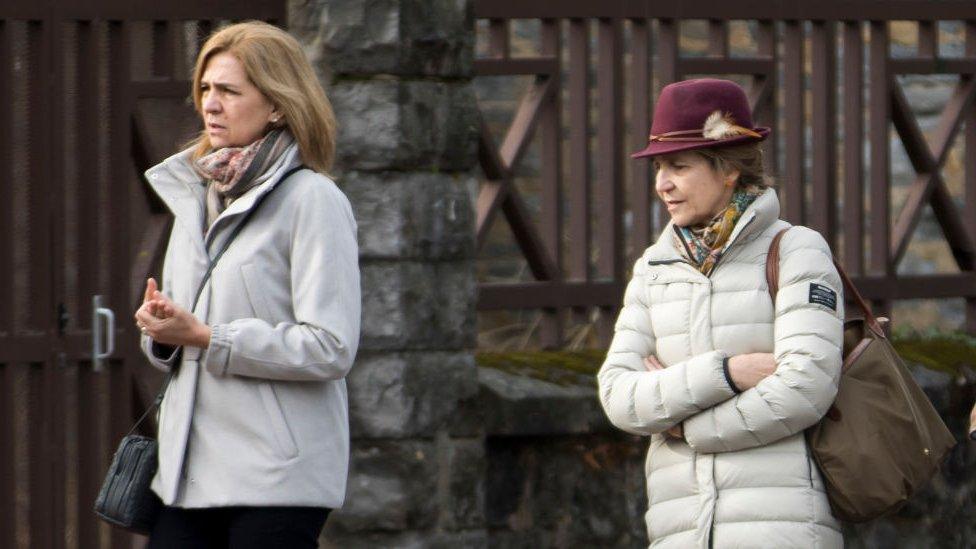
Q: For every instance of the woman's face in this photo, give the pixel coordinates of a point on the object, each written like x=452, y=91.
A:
x=235, y=113
x=693, y=191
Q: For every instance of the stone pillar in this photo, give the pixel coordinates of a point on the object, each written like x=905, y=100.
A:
x=399, y=76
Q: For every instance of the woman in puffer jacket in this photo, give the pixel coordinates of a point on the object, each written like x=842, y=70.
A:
x=723, y=380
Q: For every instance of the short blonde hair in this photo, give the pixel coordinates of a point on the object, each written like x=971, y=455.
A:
x=275, y=63
x=747, y=159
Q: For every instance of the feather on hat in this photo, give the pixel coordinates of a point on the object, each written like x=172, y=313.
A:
x=721, y=125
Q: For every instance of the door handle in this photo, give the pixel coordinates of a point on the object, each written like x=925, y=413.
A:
x=100, y=352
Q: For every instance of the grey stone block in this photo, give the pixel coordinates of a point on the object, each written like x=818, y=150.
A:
x=438, y=37
x=412, y=305
x=408, y=394
x=524, y=406
x=573, y=491
x=390, y=488
x=401, y=37
x=412, y=215
x=463, y=467
x=388, y=124
x=469, y=421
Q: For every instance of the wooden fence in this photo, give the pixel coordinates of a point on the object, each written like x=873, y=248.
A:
x=821, y=74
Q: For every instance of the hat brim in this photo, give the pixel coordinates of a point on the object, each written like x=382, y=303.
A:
x=656, y=148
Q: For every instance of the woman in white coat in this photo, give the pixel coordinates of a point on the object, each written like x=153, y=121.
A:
x=723, y=380
x=253, y=429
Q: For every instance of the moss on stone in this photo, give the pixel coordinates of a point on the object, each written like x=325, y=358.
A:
x=559, y=367
x=948, y=352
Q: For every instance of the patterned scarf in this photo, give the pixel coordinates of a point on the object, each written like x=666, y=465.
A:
x=703, y=245
x=232, y=171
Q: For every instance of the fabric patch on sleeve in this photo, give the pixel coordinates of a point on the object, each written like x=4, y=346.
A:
x=823, y=295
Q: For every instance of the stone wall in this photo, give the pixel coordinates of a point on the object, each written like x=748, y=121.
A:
x=399, y=76
x=559, y=475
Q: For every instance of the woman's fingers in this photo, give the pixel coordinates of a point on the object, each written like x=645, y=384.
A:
x=145, y=320
x=972, y=423
x=652, y=363
x=151, y=289
x=172, y=325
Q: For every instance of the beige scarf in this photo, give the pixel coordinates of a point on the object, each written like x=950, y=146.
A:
x=232, y=171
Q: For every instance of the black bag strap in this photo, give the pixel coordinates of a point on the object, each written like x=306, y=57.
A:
x=203, y=283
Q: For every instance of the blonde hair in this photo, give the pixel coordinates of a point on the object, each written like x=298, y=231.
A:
x=747, y=159
x=275, y=63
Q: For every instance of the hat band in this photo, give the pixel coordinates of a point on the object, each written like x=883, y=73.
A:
x=729, y=131
x=672, y=136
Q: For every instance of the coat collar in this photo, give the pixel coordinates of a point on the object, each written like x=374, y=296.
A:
x=763, y=212
x=183, y=191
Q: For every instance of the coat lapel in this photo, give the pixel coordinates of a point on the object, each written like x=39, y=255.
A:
x=181, y=189
x=763, y=211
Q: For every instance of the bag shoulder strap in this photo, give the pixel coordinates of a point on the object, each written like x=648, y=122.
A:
x=772, y=264
x=772, y=281
x=206, y=277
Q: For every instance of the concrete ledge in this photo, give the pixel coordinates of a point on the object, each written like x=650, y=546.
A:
x=539, y=394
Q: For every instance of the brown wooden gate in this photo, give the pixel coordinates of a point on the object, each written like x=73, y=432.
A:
x=92, y=92
x=603, y=61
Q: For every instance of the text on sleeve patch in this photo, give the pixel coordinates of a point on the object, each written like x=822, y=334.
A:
x=823, y=295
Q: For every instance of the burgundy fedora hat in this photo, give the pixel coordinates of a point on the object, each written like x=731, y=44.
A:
x=700, y=113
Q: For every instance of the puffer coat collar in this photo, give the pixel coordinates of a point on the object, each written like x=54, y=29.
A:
x=763, y=212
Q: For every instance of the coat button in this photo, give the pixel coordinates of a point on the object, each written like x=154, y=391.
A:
x=654, y=276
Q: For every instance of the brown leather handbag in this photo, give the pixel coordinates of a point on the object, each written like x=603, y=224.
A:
x=882, y=439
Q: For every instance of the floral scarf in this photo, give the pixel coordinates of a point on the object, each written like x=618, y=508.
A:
x=703, y=245
x=232, y=171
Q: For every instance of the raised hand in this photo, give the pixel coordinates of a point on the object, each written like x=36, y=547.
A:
x=168, y=323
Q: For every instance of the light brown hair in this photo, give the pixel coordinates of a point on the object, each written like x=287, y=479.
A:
x=747, y=159
x=275, y=63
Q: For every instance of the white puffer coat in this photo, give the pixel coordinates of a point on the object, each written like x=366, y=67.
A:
x=743, y=476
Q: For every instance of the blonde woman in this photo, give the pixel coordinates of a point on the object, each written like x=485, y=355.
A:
x=253, y=430
x=723, y=380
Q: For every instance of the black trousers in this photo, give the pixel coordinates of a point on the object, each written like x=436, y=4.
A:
x=238, y=528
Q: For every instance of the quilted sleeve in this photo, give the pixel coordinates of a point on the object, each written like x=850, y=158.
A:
x=646, y=402
x=808, y=333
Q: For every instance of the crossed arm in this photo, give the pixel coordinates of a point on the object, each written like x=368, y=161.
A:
x=781, y=394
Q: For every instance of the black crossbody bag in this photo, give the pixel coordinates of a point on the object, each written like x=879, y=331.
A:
x=125, y=499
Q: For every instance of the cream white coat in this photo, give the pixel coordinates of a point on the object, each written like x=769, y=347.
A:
x=743, y=476
x=261, y=416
